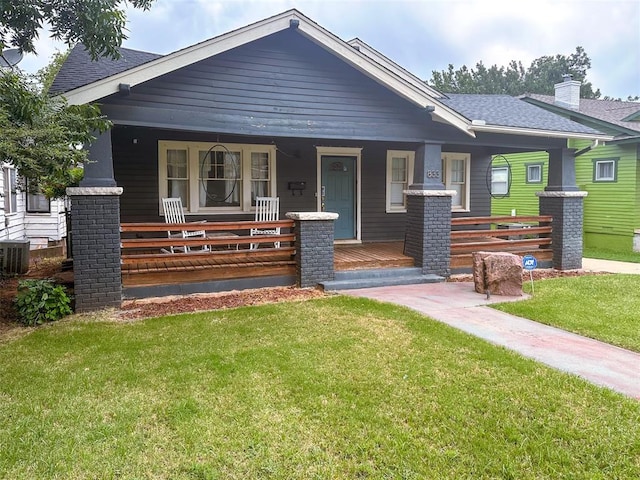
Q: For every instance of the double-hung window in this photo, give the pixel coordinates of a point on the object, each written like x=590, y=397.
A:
x=605, y=170
x=9, y=191
x=216, y=178
x=456, y=177
x=500, y=181
x=399, y=177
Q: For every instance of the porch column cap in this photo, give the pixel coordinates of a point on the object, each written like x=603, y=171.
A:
x=561, y=194
x=310, y=216
x=430, y=193
x=97, y=191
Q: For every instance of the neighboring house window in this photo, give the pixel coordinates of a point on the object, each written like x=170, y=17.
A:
x=456, y=177
x=9, y=192
x=37, y=202
x=211, y=177
x=499, y=180
x=399, y=176
x=534, y=173
x=605, y=170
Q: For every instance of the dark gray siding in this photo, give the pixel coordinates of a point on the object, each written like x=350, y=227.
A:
x=282, y=85
x=136, y=170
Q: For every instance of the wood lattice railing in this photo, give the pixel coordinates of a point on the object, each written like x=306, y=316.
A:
x=223, y=253
x=522, y=235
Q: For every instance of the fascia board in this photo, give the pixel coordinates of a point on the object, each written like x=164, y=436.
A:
x=394, y=67
x=539, y=133
x=181, y=58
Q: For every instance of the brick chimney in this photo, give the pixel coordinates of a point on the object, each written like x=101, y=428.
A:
x=568, y=93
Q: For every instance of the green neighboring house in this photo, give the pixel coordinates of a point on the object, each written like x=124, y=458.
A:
x=610, y=172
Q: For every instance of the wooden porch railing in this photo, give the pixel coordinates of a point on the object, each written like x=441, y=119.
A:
x=523, y=235
x=225, y=252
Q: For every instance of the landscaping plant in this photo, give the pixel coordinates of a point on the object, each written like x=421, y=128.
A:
x=41, y=301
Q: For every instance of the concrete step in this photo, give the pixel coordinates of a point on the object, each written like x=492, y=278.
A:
x=383, y=277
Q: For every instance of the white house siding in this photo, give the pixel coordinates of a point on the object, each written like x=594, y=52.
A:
x=39, y=228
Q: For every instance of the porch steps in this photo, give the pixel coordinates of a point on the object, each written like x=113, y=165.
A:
x=379, y=277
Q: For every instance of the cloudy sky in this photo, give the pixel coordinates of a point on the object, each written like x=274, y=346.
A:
x=420, y=35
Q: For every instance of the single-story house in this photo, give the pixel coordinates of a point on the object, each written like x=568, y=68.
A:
x=27, y=217
x=607, y=171
x=357, y=149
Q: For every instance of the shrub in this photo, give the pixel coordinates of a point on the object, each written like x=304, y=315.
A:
x=41, y=301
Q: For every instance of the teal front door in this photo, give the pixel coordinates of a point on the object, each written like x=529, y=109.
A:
x=338, y=193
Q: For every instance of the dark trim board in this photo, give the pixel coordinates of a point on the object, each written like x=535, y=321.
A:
x=131, y=293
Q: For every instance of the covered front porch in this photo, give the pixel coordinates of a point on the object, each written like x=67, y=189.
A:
x=230, y=258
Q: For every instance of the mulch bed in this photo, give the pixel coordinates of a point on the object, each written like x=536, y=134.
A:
x=137, y=309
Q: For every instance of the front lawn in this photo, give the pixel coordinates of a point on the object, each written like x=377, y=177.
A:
x=604, y=254
x=605, y=307
x=337, y=388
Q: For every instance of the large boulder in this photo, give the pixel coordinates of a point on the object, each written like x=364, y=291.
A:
x=497, y=273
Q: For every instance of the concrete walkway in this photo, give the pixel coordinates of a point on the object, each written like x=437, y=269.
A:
x=610, y=266
x=458, y=305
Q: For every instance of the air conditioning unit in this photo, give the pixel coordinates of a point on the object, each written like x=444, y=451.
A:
x=14, y=256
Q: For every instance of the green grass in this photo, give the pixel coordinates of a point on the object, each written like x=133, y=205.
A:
x=606, y=307
x=337, y=388
x=604, y=254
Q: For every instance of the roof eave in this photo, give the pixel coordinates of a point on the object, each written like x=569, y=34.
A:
x=531, y=132
x=576, y=113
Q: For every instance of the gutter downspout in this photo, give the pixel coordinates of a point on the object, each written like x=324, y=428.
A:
x=593, y=145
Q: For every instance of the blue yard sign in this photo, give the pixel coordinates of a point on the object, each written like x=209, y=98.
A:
x=529, y=262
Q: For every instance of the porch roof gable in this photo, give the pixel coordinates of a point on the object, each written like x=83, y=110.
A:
x=391, y=78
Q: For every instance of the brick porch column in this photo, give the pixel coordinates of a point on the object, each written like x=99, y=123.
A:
x=314, y=246
x=95, y=223
x=428, y=230
x=566, y=208
x=428, y=234
x=563, y=200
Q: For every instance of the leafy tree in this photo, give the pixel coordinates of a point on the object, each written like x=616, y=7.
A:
x=41, y=135
x=540, y=77
x=98, y=24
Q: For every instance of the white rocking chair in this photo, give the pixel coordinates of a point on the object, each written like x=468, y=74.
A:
x=267, y=210
x=174, y=213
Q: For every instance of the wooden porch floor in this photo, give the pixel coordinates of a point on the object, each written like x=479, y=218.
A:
x=371, y=255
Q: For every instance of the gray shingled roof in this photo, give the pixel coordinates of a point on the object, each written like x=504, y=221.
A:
x=507, y=111
x=610, y=111
x=79, y=70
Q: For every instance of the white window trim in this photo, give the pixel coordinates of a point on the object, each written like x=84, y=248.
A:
x=447, y=157
x=410, y=157
x=192, y=158
x=345, y=152
x=597, y=178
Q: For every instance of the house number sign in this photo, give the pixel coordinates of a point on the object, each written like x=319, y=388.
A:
x=433, y=173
